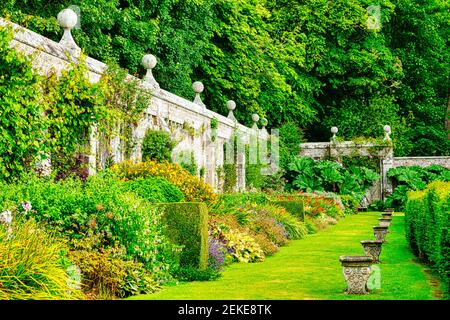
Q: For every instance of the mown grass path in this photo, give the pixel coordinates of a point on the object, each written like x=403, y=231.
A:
x=310, y=269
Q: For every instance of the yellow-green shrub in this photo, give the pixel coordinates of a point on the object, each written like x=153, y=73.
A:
x=193, y=188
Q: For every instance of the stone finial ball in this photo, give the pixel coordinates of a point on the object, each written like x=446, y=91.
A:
x=198, y=87
x=231, y=105
x=264, y=122
x=334, y=130
x=387, y=128
x=255, y=117
x=148, y=61
x=67, y=18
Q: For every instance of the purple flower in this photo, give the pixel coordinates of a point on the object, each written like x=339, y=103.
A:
x=216, y=254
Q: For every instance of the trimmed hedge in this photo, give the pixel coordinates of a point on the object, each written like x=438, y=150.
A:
x=427, y=227
x=295, y=207
x=186, y=224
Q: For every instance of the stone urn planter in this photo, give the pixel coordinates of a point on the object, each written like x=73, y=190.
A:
x=380, y=232
x=372, y=248
x=391, y=210
x=385, y=222
x=356, y=270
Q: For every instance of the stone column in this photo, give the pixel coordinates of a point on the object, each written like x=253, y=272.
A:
x=240, y=167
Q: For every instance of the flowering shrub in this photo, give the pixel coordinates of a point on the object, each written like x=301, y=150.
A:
x=75, y=209
x=107, y=272
x=239, y=245
x=242, y=246
x=316, y=206
x=193, y=188
x=216, y=252
x=155, y=189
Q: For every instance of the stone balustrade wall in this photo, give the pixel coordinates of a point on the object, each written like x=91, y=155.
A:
x=166, y=111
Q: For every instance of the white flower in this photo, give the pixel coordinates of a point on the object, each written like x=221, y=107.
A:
x=6, y=217
x=26, y=206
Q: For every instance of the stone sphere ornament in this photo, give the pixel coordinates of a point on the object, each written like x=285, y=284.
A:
x=149, y=61
x=255, y=117
x=334, y=130
x=264, y=122
x=231, y=105
x=387, y=132
x=67, y=18
x=198, y=87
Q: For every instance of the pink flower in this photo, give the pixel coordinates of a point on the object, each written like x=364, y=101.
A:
x=26, y=206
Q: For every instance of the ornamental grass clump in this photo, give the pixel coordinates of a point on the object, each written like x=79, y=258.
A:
x=32, y=264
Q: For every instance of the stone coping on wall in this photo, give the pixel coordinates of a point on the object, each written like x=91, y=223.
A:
x=40, y=43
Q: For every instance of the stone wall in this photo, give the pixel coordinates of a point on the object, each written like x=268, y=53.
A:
x=421, y=161
x=166, y=111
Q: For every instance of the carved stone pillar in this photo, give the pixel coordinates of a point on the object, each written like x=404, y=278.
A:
x=356, y=271
x=372, y=248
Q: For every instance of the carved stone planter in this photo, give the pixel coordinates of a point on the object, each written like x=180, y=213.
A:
x=372, y=248
x=391, y=210
x=380, y=232
x=356, y=270
x=385, y=222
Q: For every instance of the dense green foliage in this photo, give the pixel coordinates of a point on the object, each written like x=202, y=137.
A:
x=155, y=189
x=157, y=145
x=310, y=175
x=186, y=224
x=428, y=224
x=314, y=63
x=104, y=225
x=34, y=124
x=407, y=178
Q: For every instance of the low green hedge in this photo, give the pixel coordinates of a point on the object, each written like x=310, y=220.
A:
x=186, y=224
x=427, y=227
x=295, y=207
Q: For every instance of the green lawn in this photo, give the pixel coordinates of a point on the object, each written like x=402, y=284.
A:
x=310, y=269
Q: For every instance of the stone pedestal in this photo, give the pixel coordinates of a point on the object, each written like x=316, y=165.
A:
x=356, y=271
x=385, y=222
x=372, y=248
x=380, y=233
x=387, y=215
